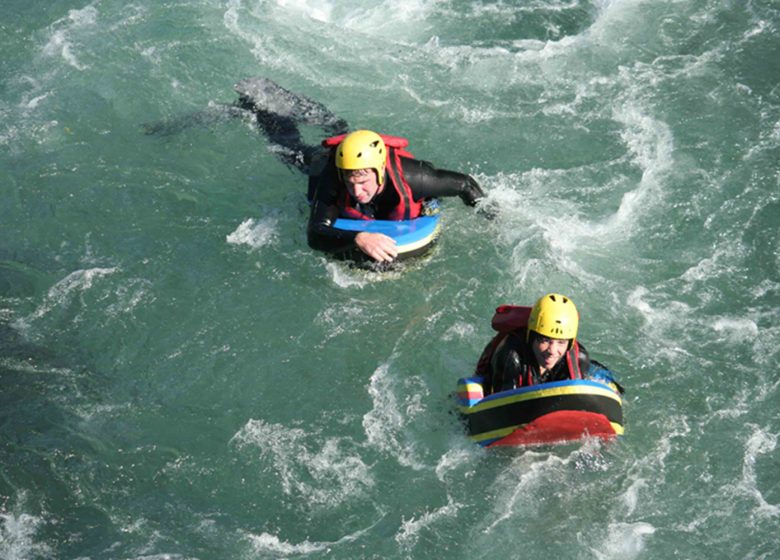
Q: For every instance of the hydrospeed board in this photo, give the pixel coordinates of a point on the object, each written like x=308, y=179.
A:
x=546, y=413
x=413, y=237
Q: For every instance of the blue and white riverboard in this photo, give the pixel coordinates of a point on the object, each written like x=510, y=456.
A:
x=413, y=237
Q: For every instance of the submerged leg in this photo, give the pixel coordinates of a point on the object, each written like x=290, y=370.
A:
x=206, y=118
x=278, y=112
x=285, y=138
x=263, y=95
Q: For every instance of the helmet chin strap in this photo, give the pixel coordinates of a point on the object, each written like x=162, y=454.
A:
x=379, y=190
x=381, y=178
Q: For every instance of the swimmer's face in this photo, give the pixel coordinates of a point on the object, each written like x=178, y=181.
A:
x=549, y=351
x=361, y=184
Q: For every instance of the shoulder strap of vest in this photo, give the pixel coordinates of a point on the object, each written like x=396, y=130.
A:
x=350, y=212
x=573, y=361
x=396, y=175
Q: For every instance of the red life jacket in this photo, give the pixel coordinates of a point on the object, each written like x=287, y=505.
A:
x=407, y=208
x=513, y=318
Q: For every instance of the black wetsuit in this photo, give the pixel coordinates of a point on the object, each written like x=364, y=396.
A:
x=278, y=112
x=423, y=178
x=511, y=358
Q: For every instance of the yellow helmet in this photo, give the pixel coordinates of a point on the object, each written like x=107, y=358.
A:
x=554, y=316
x=363, y=149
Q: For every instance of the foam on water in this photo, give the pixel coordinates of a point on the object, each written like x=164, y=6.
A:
x=62, y=294
x=316, y=10
x=18, y=531
x=459, y=331
x=651, y=144
x=343, y=277
x=339, y=319
x=386, y=424
x=453, y=461
x=760, y=442
x=266, y=543
x=345, y=274
x=520, y=485
x=736, y=329
x=289, y=451
x=61, y=40
x=246, y=21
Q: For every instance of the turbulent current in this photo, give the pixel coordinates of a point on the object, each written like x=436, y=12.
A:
x=182, y=377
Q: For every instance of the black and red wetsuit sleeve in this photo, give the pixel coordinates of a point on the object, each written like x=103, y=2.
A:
x=508, y=362
x=320, y=232
x=426, y=181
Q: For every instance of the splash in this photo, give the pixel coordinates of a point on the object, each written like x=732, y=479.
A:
x=625, y=541
x=408, y=534
x=254, y=233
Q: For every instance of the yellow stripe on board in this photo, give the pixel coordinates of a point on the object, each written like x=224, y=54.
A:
x=503, y=432
x=470, y=387
x=495, y=434
x=421, y=243
x=543, y=393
